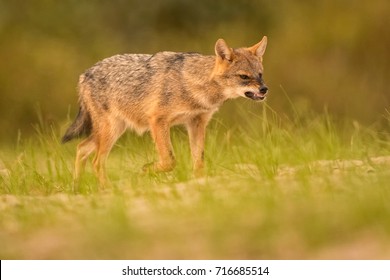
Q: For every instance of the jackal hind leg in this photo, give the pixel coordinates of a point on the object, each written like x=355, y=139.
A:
x=108, y=134
x=160, y=131
x=84, y=150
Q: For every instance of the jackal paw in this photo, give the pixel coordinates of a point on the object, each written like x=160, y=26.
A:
x=199, y=172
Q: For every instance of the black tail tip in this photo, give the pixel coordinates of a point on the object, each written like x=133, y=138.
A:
x=66, y=138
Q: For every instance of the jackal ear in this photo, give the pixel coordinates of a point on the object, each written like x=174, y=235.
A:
x=259, y=48
x=223, y=51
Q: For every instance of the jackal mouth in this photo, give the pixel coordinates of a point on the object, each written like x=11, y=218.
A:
x=255, y=96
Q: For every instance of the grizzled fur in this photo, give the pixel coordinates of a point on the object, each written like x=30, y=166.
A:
x=154, y=92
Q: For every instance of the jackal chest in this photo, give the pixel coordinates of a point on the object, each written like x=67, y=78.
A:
x=186, y=116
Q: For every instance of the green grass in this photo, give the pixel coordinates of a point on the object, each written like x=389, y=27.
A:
x=275, y=188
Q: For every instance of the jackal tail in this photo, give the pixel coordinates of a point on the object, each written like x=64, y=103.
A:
x=81, y=126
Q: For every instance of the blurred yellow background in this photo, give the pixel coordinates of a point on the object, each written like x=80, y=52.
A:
x=332, y=54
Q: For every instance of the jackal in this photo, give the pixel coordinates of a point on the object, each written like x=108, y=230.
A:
x=154, y=92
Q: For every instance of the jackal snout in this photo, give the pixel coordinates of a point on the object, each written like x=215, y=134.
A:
x=263, y=89
x=259, y=94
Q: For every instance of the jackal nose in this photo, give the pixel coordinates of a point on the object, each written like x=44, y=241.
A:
x=263, y=89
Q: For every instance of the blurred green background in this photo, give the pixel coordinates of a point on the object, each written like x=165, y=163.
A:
x=332, y=54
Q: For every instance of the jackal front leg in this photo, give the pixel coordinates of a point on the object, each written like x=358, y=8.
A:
x=196, y=132
x=160, y=130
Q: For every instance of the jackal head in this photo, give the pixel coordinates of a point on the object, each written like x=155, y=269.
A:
x=240, y=71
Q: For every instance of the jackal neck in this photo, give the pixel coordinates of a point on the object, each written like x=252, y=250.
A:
x=198, y=75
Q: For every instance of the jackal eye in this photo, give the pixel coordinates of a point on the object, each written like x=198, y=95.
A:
x=244, y=77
